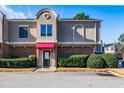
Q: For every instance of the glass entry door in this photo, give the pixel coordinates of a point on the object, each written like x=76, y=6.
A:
x=46, y=58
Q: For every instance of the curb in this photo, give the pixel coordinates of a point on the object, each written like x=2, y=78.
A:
x=34, y=69
x=116, y=74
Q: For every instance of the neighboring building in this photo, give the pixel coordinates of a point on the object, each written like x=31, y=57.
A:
x=110, y=48
x=113, y=48
x=48, y=37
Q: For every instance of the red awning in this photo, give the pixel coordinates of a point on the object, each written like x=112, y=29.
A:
x=45, y=45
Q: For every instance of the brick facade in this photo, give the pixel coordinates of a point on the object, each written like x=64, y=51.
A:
x=23, y=51
x=71, y=50
x=8, y=51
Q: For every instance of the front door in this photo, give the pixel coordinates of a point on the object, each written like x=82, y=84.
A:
x=46, y=58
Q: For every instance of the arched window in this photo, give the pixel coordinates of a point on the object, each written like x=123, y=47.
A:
x=78, y=32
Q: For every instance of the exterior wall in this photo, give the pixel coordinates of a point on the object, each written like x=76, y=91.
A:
x=42, y=20
x=109, y=49
x=73, y=50
x=22, y=51
x=0, y=50
x=5, y=33
x=1, y=33
x=13, y=32
x=6, y=51
x=89, y=33
x=1, y=27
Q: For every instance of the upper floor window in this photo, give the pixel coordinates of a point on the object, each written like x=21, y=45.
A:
x=46, y=29
x=43, y=30
x=49, y=30
x=78, y=32
x=23, y=31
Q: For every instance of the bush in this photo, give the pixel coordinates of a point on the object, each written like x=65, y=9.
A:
x=73, y=61
x=95, y=61
x=16, y=63
x=110, y=60
x=33, y=59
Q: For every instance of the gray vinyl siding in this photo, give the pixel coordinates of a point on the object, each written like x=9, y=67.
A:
x=89, y=33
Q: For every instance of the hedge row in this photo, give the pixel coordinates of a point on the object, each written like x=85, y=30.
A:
x=73, y=61
x=110, y=60
x=18, y=62
x=95, y=61
x=92, y=61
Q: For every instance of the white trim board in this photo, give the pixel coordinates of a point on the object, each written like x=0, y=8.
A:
x=20, y=42
x=76, y=42
x=51, y=41
x=54, y=41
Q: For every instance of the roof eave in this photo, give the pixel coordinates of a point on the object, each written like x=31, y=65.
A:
x=20, y=20
x=81, y=20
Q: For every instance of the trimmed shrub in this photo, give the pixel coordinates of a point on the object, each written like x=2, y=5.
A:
x=16, y=63
x=73, y=61
x=110, y=60
x=95, y=61
x=33, y=60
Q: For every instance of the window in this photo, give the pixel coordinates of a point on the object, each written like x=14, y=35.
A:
x=43, y=30
x=46, y=29
x=49, y=30
x=23, y=32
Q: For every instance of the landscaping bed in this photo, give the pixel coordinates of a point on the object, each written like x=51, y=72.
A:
x=62, y=69
x=17, y=69
x=89, y=61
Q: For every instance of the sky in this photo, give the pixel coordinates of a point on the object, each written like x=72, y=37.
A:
x=111, y=26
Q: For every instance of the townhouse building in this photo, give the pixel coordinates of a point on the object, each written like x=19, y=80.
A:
x=48, y=37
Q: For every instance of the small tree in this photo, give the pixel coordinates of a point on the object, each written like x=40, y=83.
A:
x=122, y=51
x=81, y=16
x=121, y=38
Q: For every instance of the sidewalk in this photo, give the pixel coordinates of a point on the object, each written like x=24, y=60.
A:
x=117, y=72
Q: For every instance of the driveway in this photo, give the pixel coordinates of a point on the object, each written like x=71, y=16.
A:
x=59, y=79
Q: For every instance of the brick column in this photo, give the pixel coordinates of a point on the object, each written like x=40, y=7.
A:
x=37, y=56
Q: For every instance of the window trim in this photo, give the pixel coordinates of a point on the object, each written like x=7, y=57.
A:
x=23, y=26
